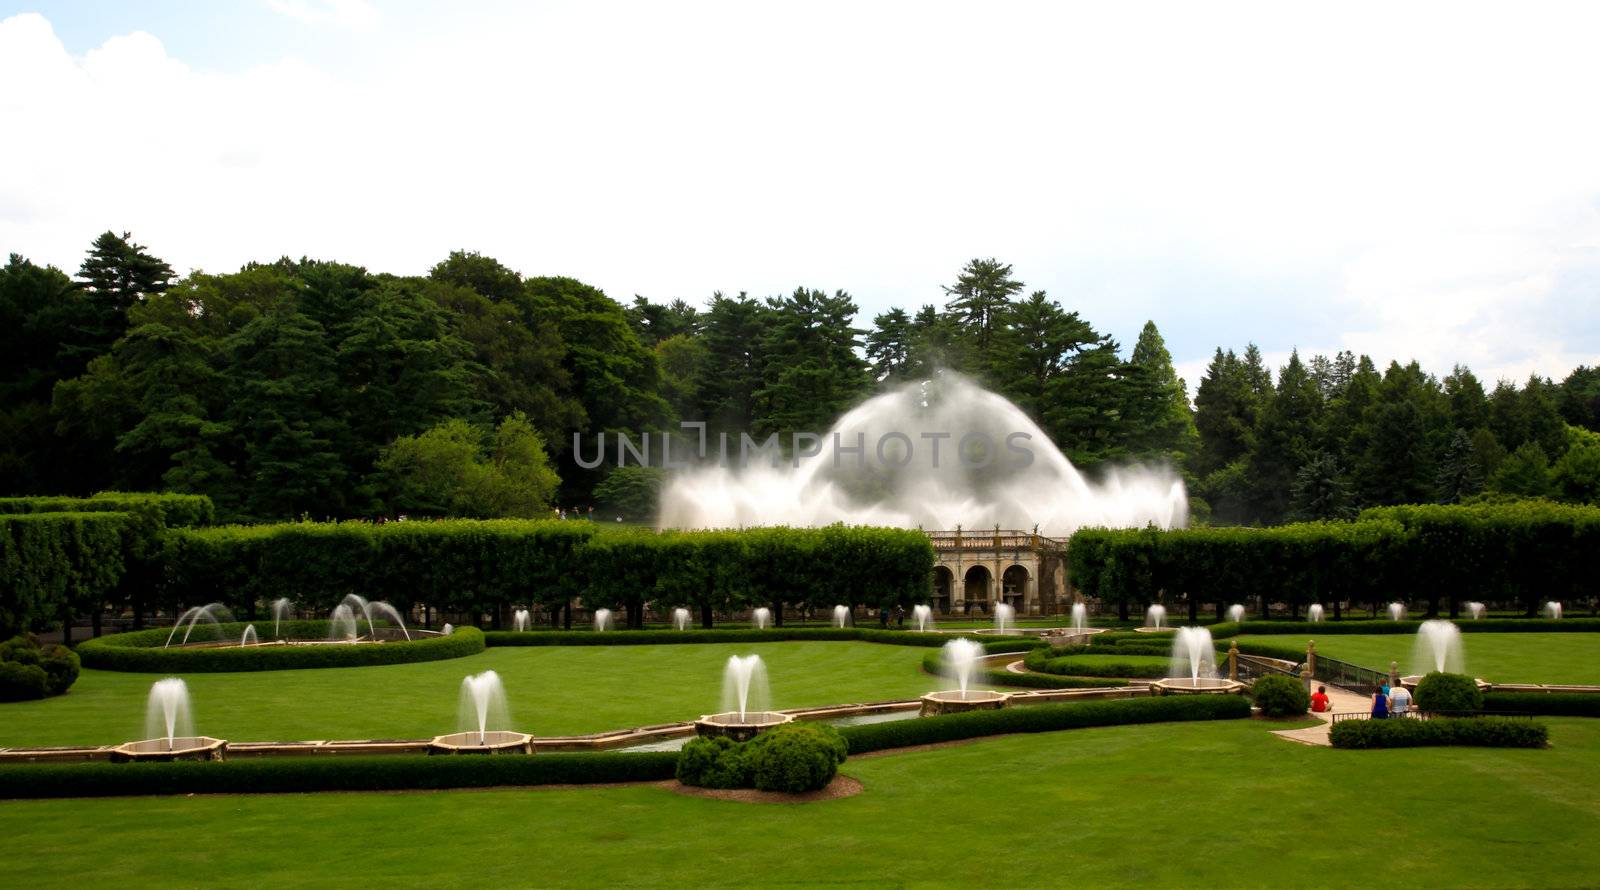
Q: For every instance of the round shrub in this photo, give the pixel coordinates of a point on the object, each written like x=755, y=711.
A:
x=30, y=671
x=1448, y=692
x=714, y=763
x=796, y=757
x=1280, y=696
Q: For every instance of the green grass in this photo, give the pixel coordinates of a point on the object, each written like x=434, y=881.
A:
x=1223, y=804
x=551, y=690
x=1503, y=658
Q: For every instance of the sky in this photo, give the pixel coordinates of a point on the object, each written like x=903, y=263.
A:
x=1406, y=180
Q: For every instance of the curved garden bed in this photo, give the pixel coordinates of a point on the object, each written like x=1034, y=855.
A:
x=144, y=651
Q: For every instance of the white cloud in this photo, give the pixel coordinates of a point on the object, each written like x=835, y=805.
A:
x=1410, y=181
x=356, y=14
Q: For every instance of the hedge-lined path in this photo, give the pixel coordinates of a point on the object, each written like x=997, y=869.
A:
x=1340, y=701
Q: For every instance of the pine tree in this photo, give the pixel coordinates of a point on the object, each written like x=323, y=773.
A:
x=1167, y=426
x=1469, y=405
x=1319, y=491
x=1225, y=413
x=1526, y=473
x=116, y=275
x=889, y=346
x=734, y=334
x=1459, y=475
x=979, y=298
x=1285, y=440
x=1036, y=341
x=813, y=373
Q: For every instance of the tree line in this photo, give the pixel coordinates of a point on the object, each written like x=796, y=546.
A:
x=311, y=388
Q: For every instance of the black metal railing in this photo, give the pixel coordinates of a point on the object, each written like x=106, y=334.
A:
x=1353, y=677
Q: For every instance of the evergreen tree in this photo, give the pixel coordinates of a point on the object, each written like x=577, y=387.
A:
x=1526, y=473
x=654, y=322
x=813, y=373
x=1085, y=404
x=889, y=346
x=735, y=329
x=116, y=275
x=979, y=299
x=1580, y=398
x=935, y=344
x=1576, y=476
x=1469, y=405
x=685, y=364
x=1164, y=424
x=1319, y=491
x=1285, y=440
x=1036, y=341
x=1460, y=476
x=1225, y=413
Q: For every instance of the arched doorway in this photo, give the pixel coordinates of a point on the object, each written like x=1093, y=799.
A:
x=943, y=582
x=1014, y=587
x=977, y=589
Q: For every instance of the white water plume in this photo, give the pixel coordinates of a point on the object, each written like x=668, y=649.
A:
x=898, y=480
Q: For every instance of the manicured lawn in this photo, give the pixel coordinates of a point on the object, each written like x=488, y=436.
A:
x=1190, y=805
x=552, y=691
x=1502, y=657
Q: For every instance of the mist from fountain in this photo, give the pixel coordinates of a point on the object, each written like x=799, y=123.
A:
x=1314, y=613
x=761, y=618
x=680, y=618
x=602, y=620
x=248, y=638
x=1475, y=609
x=342, y=624
x=744, y=685
x=280, y=608
x=922, y=616
x=1193, y=654
x=901, y=482
x=448, y=629
x=1155, y=616
x=1005, y=617
x=167, y=714
x=1438, y=648
x=960, y=657
x=1236, y=613
x=841, y=616
x=1552, y=610
x=190, y=617
x=1397, y=611
x=1080, y=617
x=389, y=612
x=521, y=620
x=483, y=705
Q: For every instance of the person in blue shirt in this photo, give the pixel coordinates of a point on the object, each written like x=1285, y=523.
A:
x=1380, y=704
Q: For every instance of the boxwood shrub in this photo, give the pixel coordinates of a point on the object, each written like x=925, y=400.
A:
x=992, y=644
x=1482, y=732
x=141, y=651
x=1042, y=718
x=1280, y=696
x=1448, y=692
x=330, y=773
x=1554, y=704
x=1102, y=665
x=30, y=671
x=795, y=757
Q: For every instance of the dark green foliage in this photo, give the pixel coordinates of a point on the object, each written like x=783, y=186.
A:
x=717, y=762
x=54, y=563
x=1043, y=718
x=795, y=758
x=142, y=651
x=1479, y=732
x=934, y=664
x=1280, y=696
x=1553, y=704
x=22, y=682
x=741, y=634
x=29, y=671
x=308, y=774
x=1448, y=692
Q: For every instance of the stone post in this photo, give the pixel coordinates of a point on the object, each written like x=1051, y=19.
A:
x=1394, y=674
x=1311, y=656
x=1305, y=675
x=1233, y=660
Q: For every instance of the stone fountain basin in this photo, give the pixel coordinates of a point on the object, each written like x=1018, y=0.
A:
x=1195, y=686
x=954, y=701
x=740, y=728
x=167, y=750
x=1154, y=630
x=492, y=742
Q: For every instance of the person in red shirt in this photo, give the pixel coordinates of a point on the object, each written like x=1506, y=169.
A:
x=1319, y=701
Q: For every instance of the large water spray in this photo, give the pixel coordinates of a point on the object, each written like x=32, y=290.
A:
x=166, y=712
x=922, y=616
x=1438, y=648
x=914, y=471
x=744, y=685
x=483, y=705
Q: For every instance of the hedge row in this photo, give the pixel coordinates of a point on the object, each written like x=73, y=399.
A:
x=1553, y=704
x=487, y=566
x=1526, y=552
x=163, y=510
x=934, y=664
x=741, y=635
x=141, y=651
x=1384, y=626
x=302, y=774
x=1043, y=718
x=1090, y=663
x=1481, y=732
x=52, y=564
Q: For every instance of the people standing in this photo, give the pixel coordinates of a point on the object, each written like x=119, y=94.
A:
x=1380, y=705
x=1399, y=701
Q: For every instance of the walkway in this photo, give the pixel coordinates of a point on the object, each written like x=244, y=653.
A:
x=1340, y=701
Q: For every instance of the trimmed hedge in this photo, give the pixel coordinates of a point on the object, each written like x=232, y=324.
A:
x=53, y=563
x=1480, y=732
x=30, y=671
x=1554, y=704
x=1090, y=663
x=1448, y=692
x=933, y=663
x=163, y=510
x=141, y=651
x=992, y=644
x=1043, y=718
x=1280, y=696
x=1385, y=626
x=304, y=774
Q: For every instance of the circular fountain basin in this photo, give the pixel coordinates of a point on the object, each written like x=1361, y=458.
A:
x=167, y=750
x=954, y=701
x=1154, y=630
x=493, y=742
x=1067, y=634
x=1196, y=686
x=1412, y=681
x=739, y=727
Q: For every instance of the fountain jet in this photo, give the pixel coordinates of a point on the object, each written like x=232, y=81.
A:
x=761, y=618
x=1314, y=613
x=922, y=616
x=841, y=616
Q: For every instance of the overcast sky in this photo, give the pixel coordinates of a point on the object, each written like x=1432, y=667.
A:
x=1407, y=180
